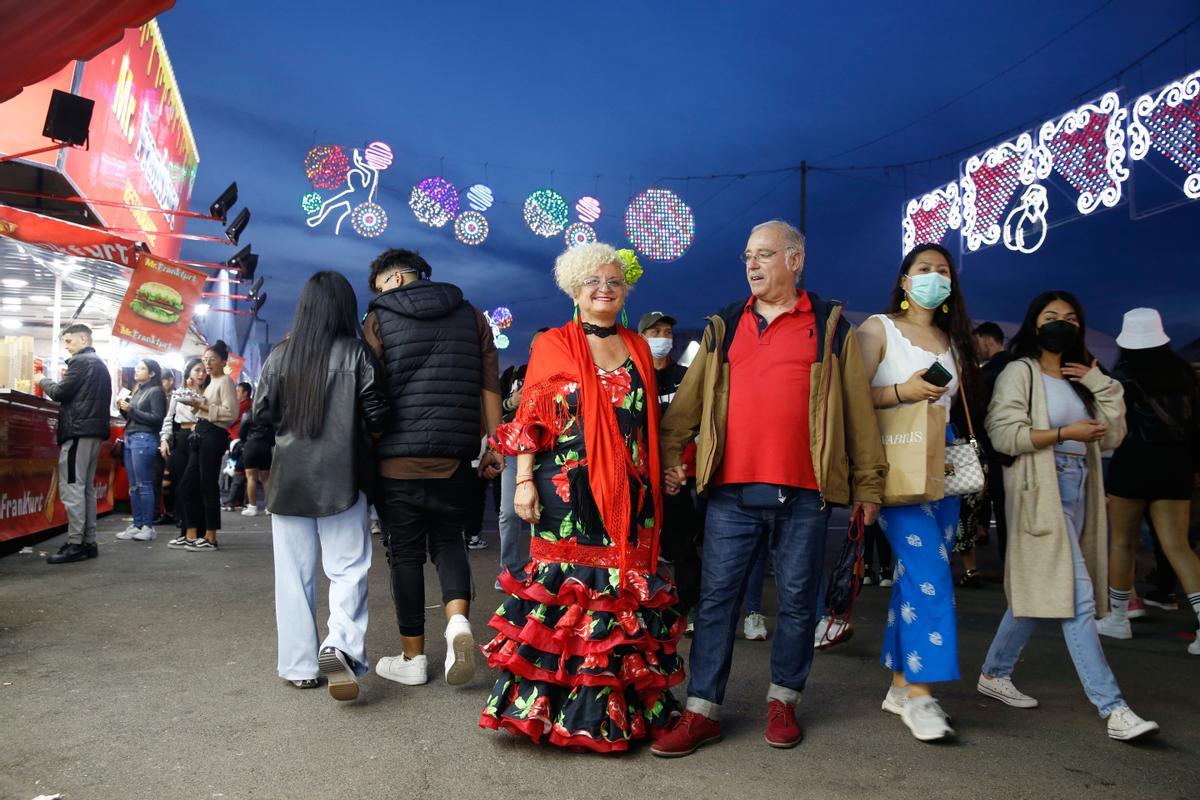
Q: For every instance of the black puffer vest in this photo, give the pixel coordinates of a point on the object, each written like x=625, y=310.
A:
x=434, y=365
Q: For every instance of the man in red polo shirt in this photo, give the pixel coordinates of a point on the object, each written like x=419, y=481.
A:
x=782, y=406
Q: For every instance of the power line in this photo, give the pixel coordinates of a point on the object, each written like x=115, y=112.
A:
x=977, y=87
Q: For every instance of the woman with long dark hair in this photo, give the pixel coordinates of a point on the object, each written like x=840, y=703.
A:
x=200, y=488
x=320, y=392
x=926, y=325
x=1154, y=469
x=1054, y=411
x=143, y=411
x=178, y=425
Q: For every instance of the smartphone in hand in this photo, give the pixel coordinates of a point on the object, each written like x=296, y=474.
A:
x=937, y=375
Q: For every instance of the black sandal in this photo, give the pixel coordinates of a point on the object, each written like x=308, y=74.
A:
x=970, y=578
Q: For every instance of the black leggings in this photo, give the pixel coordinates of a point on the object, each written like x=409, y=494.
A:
x=427, y=514
x=200, y=490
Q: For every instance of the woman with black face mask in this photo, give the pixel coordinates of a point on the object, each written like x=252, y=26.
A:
x=1054, y=411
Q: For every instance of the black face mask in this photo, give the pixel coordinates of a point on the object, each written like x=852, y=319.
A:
x=1057, y=336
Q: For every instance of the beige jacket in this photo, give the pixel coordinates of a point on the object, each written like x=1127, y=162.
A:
x=1039, y=571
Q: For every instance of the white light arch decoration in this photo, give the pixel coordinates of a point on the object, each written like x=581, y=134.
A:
x=1000, y=170
x=1030, y=211
x=928, y=217
x=1170, y=122
x=1082, y=141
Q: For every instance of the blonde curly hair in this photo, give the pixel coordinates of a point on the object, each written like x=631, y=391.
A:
x=576, y=264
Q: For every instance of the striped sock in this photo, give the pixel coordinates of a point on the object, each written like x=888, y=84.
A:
x=1194, y=599
x=1119, y=601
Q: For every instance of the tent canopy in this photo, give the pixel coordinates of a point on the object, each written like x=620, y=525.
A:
x=42, y=37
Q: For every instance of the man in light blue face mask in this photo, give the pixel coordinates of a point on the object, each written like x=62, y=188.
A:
x=659, y=332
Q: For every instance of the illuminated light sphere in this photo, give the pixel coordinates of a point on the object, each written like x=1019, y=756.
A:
x=378, y=156
x=434, y=202
x=501, y=317
x=471, y=228
x=311, y=202
x=588, y=209
x=546, y=212
x=326, y=166
x=369, y=220
x=501, y=342
x=579, y=233
x=479, y=197
x=660, y=225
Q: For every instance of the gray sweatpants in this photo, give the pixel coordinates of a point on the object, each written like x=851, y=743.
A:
x=77, y=486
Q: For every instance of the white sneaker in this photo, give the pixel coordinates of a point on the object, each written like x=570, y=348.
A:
x=894, y=700
x=408, y=671
x=755, y=627
x=1125, y=726
x=885, y=583
x=250, y=511
x=1114, y=627
x=1002, y=689
x=145, y=534
x=460, y=651
x=925, y=718
x=831, y=631
x=128, y=533
x=1194, y=647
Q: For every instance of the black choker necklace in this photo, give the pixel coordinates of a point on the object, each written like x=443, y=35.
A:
x=596, y=330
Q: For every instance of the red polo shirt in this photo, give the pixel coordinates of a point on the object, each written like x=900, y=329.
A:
x=766, y=434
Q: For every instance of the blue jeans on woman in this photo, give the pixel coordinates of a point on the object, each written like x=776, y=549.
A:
x=1083, y=642
x=141, y=459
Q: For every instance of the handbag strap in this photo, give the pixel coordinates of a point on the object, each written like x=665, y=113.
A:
x=962, y=391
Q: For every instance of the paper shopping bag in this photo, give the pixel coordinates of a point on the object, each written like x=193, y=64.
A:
x=914, y=441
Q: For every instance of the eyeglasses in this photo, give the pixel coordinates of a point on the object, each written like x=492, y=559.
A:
x=612, y=284
x=760, y=256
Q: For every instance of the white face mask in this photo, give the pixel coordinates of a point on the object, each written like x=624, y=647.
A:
x=660, y=347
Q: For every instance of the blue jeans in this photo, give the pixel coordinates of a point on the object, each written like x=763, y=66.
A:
x=513, y=531
x=141, y=456
x=1083, y=642
x=733, y=540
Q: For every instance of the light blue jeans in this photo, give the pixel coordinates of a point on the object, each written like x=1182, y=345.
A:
x=343, y=542
x=1083, y=641
x=514, y=533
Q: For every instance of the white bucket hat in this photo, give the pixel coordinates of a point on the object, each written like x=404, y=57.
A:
x=1142, y=329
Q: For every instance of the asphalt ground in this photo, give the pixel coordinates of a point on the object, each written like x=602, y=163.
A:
x=150, y=673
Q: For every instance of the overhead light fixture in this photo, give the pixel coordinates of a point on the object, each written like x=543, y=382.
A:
x=10, y=324
x=238, y=261
x=220, y=207
x=202, y=309
x=40, y=298
x=249, y=266
x=257, y=287
x=15, y=283
x=234, y=231
x=12, y=301
x=258, y=303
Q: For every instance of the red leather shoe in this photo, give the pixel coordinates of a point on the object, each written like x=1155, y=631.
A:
x=782, y=729
x=689, y=734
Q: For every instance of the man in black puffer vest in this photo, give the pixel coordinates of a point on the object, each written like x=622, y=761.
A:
x=443, y=380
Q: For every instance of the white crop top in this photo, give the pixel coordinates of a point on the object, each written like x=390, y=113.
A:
x=903, y=358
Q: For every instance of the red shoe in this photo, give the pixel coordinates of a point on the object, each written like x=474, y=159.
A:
x=692, y=732
x=782, y=729
x=1137, y=609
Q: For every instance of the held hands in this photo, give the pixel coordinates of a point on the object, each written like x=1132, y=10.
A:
x=1077, y=372
x=1086, y=430
x=673, y=479
x=916, y=389
x=525, y=501
x=491, y=464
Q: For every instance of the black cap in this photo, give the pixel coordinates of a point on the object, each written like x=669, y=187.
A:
x=653, y=318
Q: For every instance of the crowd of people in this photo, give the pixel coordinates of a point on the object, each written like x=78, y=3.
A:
x=641, y=501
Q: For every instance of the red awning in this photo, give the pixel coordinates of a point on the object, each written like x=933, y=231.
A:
x=42, y=37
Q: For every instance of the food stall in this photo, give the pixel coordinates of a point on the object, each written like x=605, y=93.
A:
x=106, y=257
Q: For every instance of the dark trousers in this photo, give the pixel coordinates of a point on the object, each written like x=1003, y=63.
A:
x=995, y=489
x=876, y=544
x=176, y=465
x=681, y=530
x=479, y=490
x=200, y=489
x=422, y=516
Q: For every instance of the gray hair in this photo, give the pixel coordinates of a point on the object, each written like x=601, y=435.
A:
x=793, y=239
x=576, y=264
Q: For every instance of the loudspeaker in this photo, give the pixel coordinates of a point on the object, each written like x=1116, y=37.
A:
x=68, y=118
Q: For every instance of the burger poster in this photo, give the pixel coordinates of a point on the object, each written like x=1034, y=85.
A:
x=159, y=304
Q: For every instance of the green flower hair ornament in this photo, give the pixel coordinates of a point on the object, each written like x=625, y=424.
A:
x=633, y=270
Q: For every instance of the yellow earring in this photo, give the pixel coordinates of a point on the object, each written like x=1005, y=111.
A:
x=904, y=305
x=945, y=308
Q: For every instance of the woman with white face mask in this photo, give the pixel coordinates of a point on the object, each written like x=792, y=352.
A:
x=926, y=325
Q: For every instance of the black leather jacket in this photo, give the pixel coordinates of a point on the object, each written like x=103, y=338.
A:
x=321, y=477
x=147, y=408
x=85, y=394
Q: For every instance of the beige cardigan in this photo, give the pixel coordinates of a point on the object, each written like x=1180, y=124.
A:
x=1039, y=571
